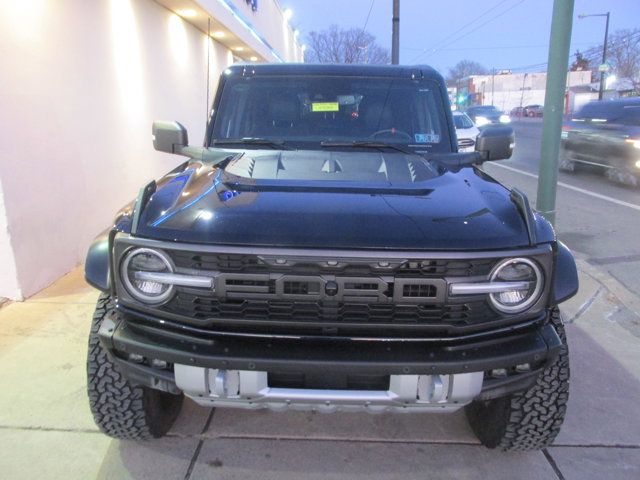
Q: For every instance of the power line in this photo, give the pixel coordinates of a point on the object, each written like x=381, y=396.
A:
x=592, y=54
x=496, y=47
x=366, y=22
x=482, y=24
x=433, y=50
x=460, y=29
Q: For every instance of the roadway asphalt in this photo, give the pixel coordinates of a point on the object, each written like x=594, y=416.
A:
x=598, y=219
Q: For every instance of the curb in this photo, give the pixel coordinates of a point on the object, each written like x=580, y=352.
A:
x=629, y=299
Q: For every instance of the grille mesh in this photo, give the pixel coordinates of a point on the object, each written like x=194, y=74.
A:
x=364, y=311
x=253, y=264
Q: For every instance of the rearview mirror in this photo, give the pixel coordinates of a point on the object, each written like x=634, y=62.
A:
x=169, y=137
x=495, y=143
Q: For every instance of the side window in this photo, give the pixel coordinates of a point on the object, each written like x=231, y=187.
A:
x=631, y=116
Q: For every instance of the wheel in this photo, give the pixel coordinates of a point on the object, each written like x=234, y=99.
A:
x=623, y=177
x=121, y=409
x=531, y=114
x=565, y=164
x=529, y=420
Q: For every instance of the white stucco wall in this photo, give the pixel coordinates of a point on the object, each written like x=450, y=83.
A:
x=8, y=276
x=81, y=83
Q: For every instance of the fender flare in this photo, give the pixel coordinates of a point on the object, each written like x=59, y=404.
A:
x=97, y=267
x=565, y=278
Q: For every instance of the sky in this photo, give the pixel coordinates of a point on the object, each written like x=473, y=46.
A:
x=501, y=34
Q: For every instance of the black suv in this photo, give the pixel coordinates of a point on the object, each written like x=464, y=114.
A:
x=605, y=134
x=328, y=249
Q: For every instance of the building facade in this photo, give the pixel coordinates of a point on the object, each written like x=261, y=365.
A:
x=508, y=90
x=82, y=82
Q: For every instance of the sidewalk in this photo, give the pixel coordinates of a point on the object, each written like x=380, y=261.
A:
x=46, y=429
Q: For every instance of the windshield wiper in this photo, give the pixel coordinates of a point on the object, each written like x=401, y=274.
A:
x=277, y=144
x=369, y=144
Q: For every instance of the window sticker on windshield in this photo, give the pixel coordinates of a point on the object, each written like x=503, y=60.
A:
x=325, y=107
x=427, y=138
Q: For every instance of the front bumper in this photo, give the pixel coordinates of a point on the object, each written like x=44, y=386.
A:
x=232, y=371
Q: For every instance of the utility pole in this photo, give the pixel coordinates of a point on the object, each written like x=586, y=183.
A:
x=603, y=66
x=395, y=33
x=558, y=62
x=493, y=80
x=604, y=58
x=524, y=79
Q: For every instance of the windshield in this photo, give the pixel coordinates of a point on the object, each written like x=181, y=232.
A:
x=483, y=109
x=462, y=121
x=305, y=111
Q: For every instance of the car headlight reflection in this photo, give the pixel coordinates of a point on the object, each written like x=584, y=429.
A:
x=505, y=119
x=481, y=121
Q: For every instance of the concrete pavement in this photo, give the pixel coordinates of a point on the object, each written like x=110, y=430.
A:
x=46, y=430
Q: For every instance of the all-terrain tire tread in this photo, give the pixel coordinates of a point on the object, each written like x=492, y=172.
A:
x=119, y=407
x=530, y=420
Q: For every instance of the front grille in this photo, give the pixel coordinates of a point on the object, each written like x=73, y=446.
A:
x=466, y=142
x=331, y=318
x=237, y=263
x=419, y=291
x=390, y=298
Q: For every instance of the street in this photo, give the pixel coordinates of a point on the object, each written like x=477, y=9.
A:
x=596, y=218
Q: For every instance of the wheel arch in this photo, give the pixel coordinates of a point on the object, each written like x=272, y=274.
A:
x=97, y=267
x=565, y=277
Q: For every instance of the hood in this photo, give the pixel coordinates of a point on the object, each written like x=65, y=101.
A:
x=465, y=210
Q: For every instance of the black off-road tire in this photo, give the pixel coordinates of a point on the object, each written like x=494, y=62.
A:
x=529, y=420
x=565, y=163
x=121, y=409
x=623, y=177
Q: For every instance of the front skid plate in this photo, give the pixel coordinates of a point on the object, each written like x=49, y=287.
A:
x=250, y=389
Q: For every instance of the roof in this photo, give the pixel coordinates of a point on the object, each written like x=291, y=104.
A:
x=337, y=69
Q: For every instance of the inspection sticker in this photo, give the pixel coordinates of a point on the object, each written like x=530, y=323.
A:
x=426, y=138
x=325, y=107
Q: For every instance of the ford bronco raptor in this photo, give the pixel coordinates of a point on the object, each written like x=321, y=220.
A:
x=328, y=249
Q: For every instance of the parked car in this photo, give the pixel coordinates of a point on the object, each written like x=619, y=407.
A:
x=466, y=132
x=487, y=115
x=328, y=249
x=605, y=134
x=532, y=111
x=516, y=112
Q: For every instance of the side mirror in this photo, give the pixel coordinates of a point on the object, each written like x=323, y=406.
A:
x=495, y=143
x=170, y=137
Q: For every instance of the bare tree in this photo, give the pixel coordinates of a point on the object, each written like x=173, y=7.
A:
x=580, y=63
x=624, y=55
x=463, y=69
x=336, y=45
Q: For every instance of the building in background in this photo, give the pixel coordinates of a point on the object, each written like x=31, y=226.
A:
x=507, y=90
x=81, y=83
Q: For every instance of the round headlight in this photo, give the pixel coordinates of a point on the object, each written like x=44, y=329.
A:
x=139, y=262
x=522, y=272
